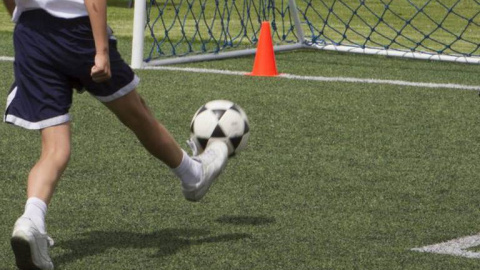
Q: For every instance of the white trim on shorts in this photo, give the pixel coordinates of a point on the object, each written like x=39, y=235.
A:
x=122, y=91
x=10, y=98
x=12, y=119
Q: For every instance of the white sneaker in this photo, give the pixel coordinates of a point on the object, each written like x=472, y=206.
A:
x=30, y=246
x=213, y=160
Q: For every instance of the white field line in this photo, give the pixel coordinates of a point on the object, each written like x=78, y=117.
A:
x=329, y=79
x=315, y=78
x=6, y=58
x=456, y=247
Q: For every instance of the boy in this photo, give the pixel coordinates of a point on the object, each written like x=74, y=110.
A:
x=66, y=44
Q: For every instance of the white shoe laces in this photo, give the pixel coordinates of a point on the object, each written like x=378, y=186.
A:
x=50, y=241
x=192, y=146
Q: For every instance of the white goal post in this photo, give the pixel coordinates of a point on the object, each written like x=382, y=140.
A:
x=180, y=31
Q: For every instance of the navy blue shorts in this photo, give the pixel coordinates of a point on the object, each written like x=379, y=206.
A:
x=53, y=56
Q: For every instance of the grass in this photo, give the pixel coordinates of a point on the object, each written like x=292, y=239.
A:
x=336, y=175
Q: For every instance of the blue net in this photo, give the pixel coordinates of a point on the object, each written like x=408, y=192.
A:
x=184, y=27
x=441, y=27
x=181, y=27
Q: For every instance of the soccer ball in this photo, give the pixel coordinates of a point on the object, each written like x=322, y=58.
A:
x=219, y=120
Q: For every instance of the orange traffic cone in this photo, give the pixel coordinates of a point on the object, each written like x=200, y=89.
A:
x=264, y=64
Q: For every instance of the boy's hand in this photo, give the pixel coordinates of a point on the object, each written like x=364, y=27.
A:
x=101, y=70
x=97, y=12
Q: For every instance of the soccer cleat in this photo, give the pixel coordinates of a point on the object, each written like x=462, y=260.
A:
x=30, y=246
x=213, y=160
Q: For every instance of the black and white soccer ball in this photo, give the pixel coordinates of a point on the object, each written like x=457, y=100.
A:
x=219, y=120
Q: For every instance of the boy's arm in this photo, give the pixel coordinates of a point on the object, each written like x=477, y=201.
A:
x=97, y=12
x=10, y=5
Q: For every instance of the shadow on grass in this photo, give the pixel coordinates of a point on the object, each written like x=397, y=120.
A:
x=245, y=220
x=167, y=241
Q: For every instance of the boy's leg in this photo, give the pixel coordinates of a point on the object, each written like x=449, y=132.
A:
x=132, y=111
x=196, y=174
x=44, y=176
x=29, y=239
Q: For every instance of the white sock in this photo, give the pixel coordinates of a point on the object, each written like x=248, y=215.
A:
x=36, y=209
x=189, y=171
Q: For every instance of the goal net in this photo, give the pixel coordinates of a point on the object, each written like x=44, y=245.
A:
x=177, y=31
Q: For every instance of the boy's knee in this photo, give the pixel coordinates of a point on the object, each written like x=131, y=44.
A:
x=131, y=109
x=56, y=144
x=58, y=155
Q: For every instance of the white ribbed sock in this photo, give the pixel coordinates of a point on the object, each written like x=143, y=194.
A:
x=36, y=209
x=189, y=171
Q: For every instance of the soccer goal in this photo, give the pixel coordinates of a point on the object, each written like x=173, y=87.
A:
x=180, y=31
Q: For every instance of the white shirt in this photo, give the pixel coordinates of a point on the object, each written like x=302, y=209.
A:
x=67, y=9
